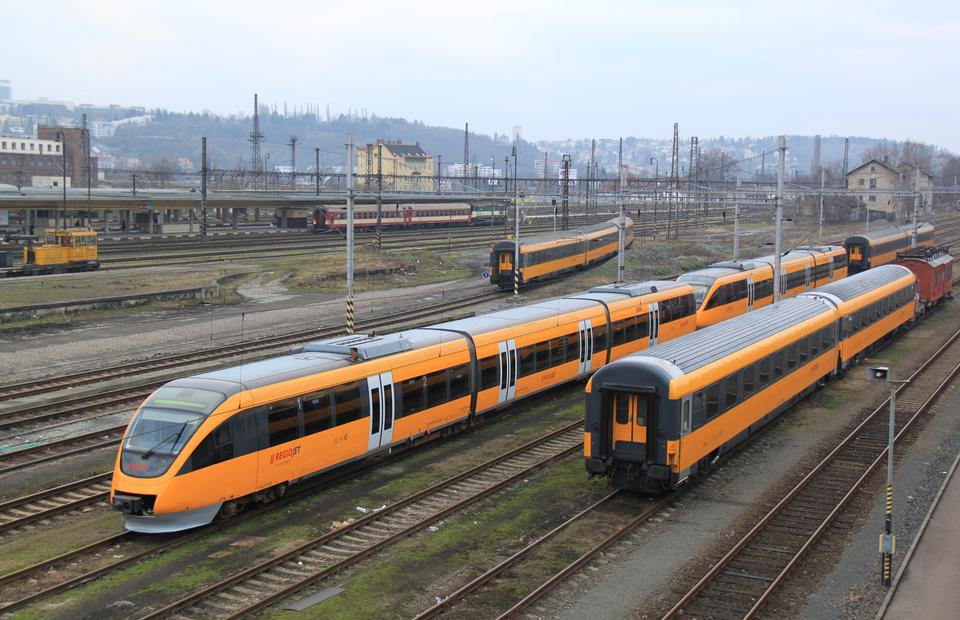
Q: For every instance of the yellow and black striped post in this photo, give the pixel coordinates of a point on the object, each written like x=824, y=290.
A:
x=516, y=281
x=888, y=542
x=350, y=323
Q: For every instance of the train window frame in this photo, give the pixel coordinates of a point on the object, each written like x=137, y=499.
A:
x=436, y=389
x=489, y=372
x=621, y=414
x=731, y=391
x=459, y=379
x=342, y=394
x=712, y=400
x=415, y=394
x=278, y=412
x=748, y=380
x=308, y=423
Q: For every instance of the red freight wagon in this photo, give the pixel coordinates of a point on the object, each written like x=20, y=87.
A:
x=934, y=270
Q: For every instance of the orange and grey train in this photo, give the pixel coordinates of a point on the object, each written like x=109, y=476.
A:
x=728, y=289
x=550, y=256
x=203, y=447
x=880, y=248
x=656, y=418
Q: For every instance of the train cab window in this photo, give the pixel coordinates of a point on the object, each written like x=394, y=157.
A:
x=732, y=391
x=317, y=412
x=436, y=388
x=459, y=381
x=489, y=372
x=713, y=400
x=412, y=392
x=792, y=357
x=599, y=339
x=528, y=362
x=621, y=408
x=346, y=400
x=778, y=365
x=283, y=422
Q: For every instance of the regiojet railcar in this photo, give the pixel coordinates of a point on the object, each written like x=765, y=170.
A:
x=205, y=446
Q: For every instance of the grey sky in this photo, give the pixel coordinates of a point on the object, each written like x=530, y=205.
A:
x=560, y=69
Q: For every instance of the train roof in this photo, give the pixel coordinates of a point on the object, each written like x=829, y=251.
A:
x=325, y=355
x=563, y=235
x=890, y=232
x=511, y=316
x=637, y=289
x=864, y=282
x=696, y=350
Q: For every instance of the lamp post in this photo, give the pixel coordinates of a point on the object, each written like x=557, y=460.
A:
x=656, y=189
x=888, y=542
x=62, y=139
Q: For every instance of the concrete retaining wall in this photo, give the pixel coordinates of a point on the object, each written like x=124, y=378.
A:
x=21, y=313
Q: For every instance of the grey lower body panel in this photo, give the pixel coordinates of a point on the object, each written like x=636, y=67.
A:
x=174, y=522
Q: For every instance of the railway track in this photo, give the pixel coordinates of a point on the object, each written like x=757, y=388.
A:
x=746, y=577
x=80, y=406
x=604, y=520
x=19, y=512
x=285, y=574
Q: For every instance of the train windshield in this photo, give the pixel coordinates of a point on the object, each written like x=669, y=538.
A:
x=163, y=426
x=701, y=285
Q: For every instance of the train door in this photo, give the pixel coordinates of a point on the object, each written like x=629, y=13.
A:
x=586, y=346
x=751, y=294
x=653, y=321
x=382, y=407
x=505, y=265
x=508, y=370
x=630, y=425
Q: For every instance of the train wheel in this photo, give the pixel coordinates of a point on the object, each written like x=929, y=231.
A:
x=229, y=509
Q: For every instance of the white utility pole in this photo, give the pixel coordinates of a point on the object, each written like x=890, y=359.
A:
x=350, y=322
x=779, y=220
x=622, y=223
x=736, y=221
x=916, y=210
x=821, y=203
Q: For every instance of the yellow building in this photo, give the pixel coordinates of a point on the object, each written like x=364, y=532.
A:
x=399, y=167
x=879, y=180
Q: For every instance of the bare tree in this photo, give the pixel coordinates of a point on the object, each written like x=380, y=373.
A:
x=161, y=172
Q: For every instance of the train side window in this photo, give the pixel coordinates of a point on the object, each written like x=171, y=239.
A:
x=489, y=372
x=814, y=340
x=436, y=388
x=732, y=390
x=573, y=348
x=749, y=379
x=643, y=330
x=527, y=360
x=792, y=356
x=216, y=447
x=621, y=408
x=459, y=381
x=629, y=329
x=699, y=416
x=825, y=338
x=599, y=339
x=317, y=412
x=283, y=422
x=346, y=399
x=619, y=333
x=645, y=405
x=763, y=373
x=803, y=351
x=778, y=365
x=412, y=392
x=556, y=350
x=713, y=400
x=543, y=355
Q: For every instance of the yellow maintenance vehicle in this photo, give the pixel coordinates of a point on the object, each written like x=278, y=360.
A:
x=63, y=251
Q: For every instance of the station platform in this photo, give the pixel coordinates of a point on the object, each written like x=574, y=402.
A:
x=928, y=583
